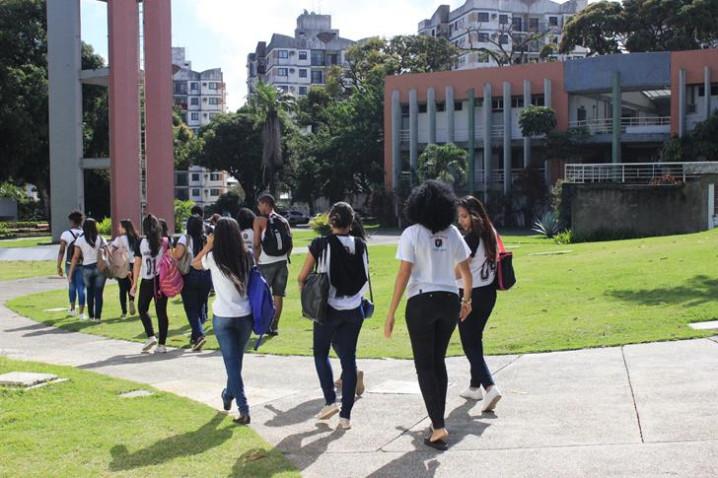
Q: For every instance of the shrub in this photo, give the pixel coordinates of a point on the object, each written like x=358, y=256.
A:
x=565, y=237
x=104, y=227
x=5, y=232
x=183, y=210
x=320, y=224
x=547, y=225
x=537, y=120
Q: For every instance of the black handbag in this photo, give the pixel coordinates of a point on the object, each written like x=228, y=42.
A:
x=505, y=276
x=315, y=292
x=367, y=305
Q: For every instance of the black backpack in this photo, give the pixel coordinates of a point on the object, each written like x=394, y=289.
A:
x=71, y=247
x=277, y=238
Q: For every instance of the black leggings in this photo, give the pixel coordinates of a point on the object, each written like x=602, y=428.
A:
x=431, y=319
x=147, y=293
x=471, y=330
x=125, y=285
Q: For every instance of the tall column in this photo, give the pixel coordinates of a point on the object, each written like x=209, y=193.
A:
x=487, y=138
x=616, y=120
x=158, y=108
x=431, y=110
x=449, y=108
x=124, y=112
x=471, y=96
x=395, y=140
x=507, y=137
x=547, y=88
x=707, y=89
x=65, y=112
x=681, y=102
x=527, y=139
x=413, y=132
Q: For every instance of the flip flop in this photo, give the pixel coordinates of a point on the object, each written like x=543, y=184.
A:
x=440, y=445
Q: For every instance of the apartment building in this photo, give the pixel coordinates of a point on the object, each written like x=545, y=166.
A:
x=201, y=95
x=532, y=27
x=629, y=105
x=201, y=185
x=296, y=63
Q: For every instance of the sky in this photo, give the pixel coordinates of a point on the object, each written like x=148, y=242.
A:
x=220, y=33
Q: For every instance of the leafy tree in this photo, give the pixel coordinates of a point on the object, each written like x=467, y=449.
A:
x=513, y=51
x=599, y=27
x=537, y=120
x=183, y=139
x=446, y=162
x=183, y=210
x=228, y=203
x=701, y=144
x=422, y=53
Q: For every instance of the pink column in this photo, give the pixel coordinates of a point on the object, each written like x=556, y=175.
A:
x=124, y=115
x=158, y=109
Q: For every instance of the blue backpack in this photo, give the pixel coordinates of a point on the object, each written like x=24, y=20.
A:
x=260, y=299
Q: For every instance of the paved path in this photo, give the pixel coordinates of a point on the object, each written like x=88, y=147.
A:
x=640, y=410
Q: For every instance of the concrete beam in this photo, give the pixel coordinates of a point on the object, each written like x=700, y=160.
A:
x=449, y=108
x=413, y=132
x=96, y=163
x=527, y=140
x=507, y=137
x=616, y=120
x=100, y=77
x=431, y=111
x=547, y=89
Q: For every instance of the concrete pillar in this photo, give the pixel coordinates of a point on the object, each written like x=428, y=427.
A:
x=65, y=112
x=547, y=88
x=487, y=138
x=449, y=108
x=616, y=120
x=681, y=102
x=707, y=89
x=158, y=108
x=507, y=137
x=527, y=139
x=124, y=112
x=470, y=111
x=395, y=140
x=413, y=132
x=431, y=110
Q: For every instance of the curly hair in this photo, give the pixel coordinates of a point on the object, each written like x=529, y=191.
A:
x=433, y=205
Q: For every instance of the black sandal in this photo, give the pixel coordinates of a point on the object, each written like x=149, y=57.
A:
x=440, y=445
x=242, y=420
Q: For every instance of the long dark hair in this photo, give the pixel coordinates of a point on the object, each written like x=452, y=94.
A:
x=130, y=232
x=433, y=205
x=89, y=231
x=230, y=254
x=164, y=227
x=481, y=225
x=195, y=230
x=153, y=233
x=342, y=215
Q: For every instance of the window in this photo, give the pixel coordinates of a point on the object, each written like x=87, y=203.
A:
x=195, y=177
x=302, y=73
x=483, y=37
x=503, y=19
x=440, y=107
x=284, y=88
x=503, y=39
x=537, y=100
x=194, y=101
x=214, y=101
x=283, y=54
x=516, y=24
x=281, y=72
x=702, y=90
x=194, y=86
x=317, y=77
x=553, y=21
x=533, y=24
x=497, y=103
x=483, y=17
x=317, y=57
x=214, y=192
x=214, y=177
x=302, y=55
x=194, y=116
x=422, y=108
x=458, y=105
x=204, y=115
x=303, y=90
x=204, y=83
x=517, y=101
x=581, y=113
x=195, y=192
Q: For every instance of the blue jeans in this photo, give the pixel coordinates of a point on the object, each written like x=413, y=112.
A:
x=195, y=293
x=77, y=285
x=95, y=285
x=233, y=334
x=341, y=328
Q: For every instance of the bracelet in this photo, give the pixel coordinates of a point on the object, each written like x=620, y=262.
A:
x=466, y=301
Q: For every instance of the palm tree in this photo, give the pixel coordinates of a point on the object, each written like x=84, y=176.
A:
x=447, y=163
x=271, y=108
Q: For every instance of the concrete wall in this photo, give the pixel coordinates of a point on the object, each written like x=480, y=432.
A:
x=8, y=209
x=638, y=70
x=640, y=210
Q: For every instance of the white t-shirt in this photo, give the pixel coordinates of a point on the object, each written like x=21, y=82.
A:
x=150, y=263
x=67, y=237
x=434, y=258
x=89, y=253
x=345, y=302
x=121, y=242
x=248, y=238
x=483, y=272
x=227, y=302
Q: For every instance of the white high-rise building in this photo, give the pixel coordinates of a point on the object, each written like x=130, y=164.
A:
x=504, y=24
x=200, y=95
x=294, y=64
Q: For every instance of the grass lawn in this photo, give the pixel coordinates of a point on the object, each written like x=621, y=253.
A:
x=567, y=297
x=27, y=242
x=83, y=428
x=10, y=270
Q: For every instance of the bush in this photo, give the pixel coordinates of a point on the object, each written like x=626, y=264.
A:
x=183, y=210
x=537, y=120
x=320, y=224
x=547, y=225
x=104, y=227
x=5, y=232
x=565, y=237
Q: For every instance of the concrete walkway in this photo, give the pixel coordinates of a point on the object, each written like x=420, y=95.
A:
x=640, y=410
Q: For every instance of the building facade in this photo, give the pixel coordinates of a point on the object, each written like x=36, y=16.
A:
x=296, y=63
x=532, y=26
x=201, y=185
x=629, y=105
x=200, y=95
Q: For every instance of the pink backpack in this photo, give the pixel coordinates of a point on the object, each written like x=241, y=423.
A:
x=171, y=281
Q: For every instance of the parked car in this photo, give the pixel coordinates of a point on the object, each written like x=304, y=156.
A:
x=296, y=217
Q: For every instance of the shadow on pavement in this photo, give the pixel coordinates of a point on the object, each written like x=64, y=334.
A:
x=293, y=416
x=133, y=359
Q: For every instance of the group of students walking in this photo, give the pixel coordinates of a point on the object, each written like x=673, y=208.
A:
x=449, y=278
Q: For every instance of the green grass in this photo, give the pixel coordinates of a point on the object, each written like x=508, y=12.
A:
x=11, y=270
x=567, y=297
x=83, y=428
x=27, y=242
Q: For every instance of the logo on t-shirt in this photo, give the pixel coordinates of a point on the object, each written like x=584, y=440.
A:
x=439, y=243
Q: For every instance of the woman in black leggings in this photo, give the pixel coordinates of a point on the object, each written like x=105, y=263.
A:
x=480, y=236
x=429, y=252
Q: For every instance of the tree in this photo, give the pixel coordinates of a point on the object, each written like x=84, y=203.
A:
x=183, y=210
x=446, y=162
x=508, y=47
x=701, y=144
x=422, y=53
x=599, y=27
x=183, y=139
x=228, y=203
x=537, y=120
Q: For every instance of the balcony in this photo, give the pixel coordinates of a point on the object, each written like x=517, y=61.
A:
x=629, y=125
x=637, y=173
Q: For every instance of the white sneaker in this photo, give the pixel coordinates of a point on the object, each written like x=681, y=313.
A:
x=161, y=349
x=149, y=343
x=344, y=424
x=123, y=317
x=83, y=316
x=471, y=393
x=71, y=312
x=492, y=397
x=328, y=411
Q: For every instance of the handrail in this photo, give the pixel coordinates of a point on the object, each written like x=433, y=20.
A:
x=638, y=173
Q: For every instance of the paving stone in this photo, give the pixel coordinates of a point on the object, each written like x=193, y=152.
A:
x=136, y=394
x=25, y=379
x=710, y=325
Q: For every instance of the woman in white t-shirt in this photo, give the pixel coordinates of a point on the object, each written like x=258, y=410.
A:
x=480, y=236
x=227, y=259
x=429, y=252
x=246, y=218
x=126, y=240
x=87, y=248
x=343, y=254
x=148, y=254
